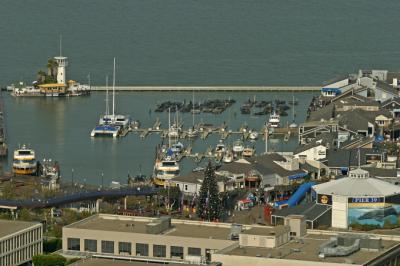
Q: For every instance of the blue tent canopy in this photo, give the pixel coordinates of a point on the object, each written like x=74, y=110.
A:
x=170, y=152
x=297, y=176
x=335, y=90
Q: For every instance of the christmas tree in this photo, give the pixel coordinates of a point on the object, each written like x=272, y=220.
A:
x=209, y=204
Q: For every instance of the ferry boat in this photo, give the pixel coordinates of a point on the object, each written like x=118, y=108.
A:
x=24, y=161
x=165, y=170
x=274, y=120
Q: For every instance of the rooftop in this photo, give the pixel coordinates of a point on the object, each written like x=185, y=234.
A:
x=9, y=227
x=307, y=250
x=112, y=262
x=137, y=225
x=357, y=187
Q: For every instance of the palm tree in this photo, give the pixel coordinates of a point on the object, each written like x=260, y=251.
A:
x=52, y=68
x=41, y=76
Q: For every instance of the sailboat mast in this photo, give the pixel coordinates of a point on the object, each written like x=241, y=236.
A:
x=107, y=106
x=193, y=108
x=113, y=105
x=169, y=127
x=293, y=108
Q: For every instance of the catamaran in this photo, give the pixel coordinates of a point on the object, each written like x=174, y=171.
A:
x=111, y=124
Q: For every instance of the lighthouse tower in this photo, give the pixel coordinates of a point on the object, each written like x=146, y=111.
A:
x=62, y=64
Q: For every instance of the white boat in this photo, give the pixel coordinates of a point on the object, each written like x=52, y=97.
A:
x=248, y=152
x=165, y=170
x=253, y=135
x=177, y=148
x=105, y=130
x=24, y=162
x=22, y=90
x=192, y=132
x=238, y=146
x=220, y=149
x=228, y=157
x=77, y=89
x=111, y=124
x=274, y=120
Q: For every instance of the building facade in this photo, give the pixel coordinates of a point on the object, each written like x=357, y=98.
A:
x=19, y=242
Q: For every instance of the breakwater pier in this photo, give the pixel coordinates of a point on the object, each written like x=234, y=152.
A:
x=210, y=88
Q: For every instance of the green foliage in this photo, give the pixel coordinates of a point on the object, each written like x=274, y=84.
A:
x=174, y=196
x=49, y=260
x=25, y=215
x=209, y=203
x=49, y=246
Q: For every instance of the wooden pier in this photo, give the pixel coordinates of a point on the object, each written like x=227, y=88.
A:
x=205, y=130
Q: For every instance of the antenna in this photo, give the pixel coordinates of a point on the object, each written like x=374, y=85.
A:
x=113, y=106
x=60, y=44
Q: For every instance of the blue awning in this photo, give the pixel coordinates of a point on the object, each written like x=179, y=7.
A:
x=296, y=176
x=335, y=90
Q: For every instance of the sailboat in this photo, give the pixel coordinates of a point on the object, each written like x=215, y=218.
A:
x=122, y=121
x=192, y=132
x=111, y=124
x=293, y=124
x=105, y=129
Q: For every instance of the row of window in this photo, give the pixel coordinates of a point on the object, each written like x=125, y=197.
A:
x=125, y=248
x=20, y=240
x=22, y=255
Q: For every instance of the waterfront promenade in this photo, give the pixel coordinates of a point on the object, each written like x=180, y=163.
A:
x=210, y=88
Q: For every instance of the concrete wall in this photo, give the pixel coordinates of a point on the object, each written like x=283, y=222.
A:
x=133, y=238
x=339, y=212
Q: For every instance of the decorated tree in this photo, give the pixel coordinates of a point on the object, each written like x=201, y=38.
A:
x=209, y=204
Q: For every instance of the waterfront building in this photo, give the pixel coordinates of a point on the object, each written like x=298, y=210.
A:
x=190, y=184
x=360, y=200
x=53, y=89
x=19, y=242
x=161, y=240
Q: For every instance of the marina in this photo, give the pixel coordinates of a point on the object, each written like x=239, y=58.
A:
x=90, y=157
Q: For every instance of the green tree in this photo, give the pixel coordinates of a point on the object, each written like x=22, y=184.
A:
x=209, y=204
x=49, y=260
x=52, y=68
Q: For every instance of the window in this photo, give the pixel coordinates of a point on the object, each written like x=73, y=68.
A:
x=124, y=248
x=142, y=249
x=186, y=187
x=91, y=245
x=194, y=251
x=107, y=246
x=74, y=244
x=176, y=252
x=159, y=251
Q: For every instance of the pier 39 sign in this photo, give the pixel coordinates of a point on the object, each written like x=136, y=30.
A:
x=366, y=200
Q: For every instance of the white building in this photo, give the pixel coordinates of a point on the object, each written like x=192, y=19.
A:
x=61, y=69
x=360, y=199
x=19, y=242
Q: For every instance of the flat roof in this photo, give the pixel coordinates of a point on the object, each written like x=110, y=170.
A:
x=267, y=231
x=51, y=85
x=131, y=224
x=114, y=262
x=8, y=227
x=307, y=250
